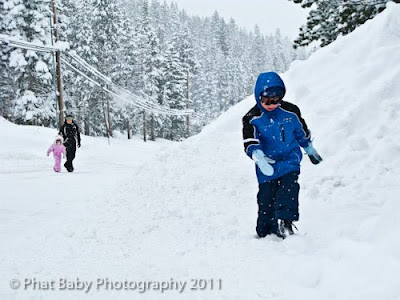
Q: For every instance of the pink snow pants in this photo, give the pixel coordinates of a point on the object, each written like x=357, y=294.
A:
x=57, y=163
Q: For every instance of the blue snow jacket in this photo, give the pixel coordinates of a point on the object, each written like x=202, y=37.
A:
x=279, y=133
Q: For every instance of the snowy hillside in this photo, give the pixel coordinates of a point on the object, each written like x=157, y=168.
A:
x=174, y=212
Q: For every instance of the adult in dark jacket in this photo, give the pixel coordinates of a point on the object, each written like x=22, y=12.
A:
x=70, y=132
x=273, y=132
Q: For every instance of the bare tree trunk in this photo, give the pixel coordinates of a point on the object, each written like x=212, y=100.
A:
x=187, y=107
x=187, y=126
x=144, y=126
x=152, y=135
x=87, y=125
x=87, y=118
x=105, y=112
x=129, y=130
x=106, y=123
x=109, y=118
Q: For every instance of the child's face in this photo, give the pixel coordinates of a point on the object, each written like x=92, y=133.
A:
x=269, y=104
x=58, y=142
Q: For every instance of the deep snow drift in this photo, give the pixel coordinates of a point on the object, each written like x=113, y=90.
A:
x=181, y=211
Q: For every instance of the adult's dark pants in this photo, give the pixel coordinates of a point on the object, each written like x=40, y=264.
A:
x=71, y=150
x=277, y=199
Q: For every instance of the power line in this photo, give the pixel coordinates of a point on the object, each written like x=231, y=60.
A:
x=127, y=92
x=133, y=99
x=125, y=99
x=147, y=105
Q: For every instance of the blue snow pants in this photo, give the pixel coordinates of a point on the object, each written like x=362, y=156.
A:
x=277, y=199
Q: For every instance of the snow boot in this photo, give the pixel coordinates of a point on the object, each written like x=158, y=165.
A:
x=284, y=228
x=69, y=168
x=288, y=226
x=280, y=230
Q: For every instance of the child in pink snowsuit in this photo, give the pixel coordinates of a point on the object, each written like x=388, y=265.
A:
x=58, y=149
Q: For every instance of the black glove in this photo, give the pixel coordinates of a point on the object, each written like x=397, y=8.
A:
x=313, y=154
x=79, y=144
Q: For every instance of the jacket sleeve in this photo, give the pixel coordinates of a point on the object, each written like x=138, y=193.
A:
x=302, y=133
x=250, y=135
x=78, y=134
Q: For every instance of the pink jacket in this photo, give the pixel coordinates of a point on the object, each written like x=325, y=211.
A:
x=57, y=150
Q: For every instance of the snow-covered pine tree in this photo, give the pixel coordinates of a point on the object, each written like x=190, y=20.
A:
x=238, y=63
x=328, y=19
x=259, y=49
x=279, y=59
x=7, y=83
x=223, y=74
x=124, y=74
x=175, y=80
x=30, y=79
x=76, y=29
x=149, y=67
x=106, y=24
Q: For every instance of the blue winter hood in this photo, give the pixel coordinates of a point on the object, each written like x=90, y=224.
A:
x=268, y=81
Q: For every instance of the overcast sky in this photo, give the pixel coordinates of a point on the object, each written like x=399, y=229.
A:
x=268, y=14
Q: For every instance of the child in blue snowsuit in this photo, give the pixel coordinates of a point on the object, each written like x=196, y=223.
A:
x=273, y=132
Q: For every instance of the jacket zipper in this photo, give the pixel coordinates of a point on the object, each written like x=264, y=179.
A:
x=283, y=133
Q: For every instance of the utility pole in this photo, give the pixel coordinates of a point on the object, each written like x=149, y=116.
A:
x=54, y=65
x=187, y=107
x=58, y=62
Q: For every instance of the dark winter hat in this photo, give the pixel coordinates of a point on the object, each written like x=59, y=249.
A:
x=69, y=117
x=275, y=91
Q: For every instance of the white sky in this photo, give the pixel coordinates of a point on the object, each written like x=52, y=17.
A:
x=268, y=14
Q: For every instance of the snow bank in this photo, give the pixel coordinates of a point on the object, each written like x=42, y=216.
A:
x=346, y=247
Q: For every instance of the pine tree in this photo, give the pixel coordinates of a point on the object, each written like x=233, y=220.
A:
x=29, y=79
x=175, y=77
x=106, y=24
x=279, y=62
x=328, y=19
x=260, y=62
x=78, y=32
x=8, y=87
